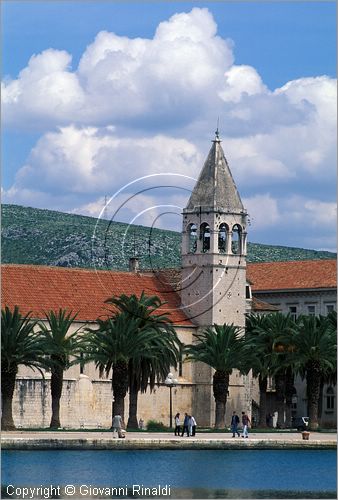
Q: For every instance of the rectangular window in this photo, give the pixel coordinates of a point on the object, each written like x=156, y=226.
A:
x=311, y=310
x=293, y=312
x=329, y=308
x=248, y=294
x=330, y=399
x=330, y=402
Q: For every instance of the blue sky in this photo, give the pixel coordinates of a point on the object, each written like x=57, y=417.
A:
x=97, y=94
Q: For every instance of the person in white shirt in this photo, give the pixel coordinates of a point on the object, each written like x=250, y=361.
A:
x=117, y=426
x=192, y=426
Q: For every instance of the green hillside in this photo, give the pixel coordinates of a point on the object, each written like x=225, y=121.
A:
x=46, y=237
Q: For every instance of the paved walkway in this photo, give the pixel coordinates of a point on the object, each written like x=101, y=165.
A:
x=150, y=440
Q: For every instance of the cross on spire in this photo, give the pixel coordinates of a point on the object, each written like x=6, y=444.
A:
x=217, y=131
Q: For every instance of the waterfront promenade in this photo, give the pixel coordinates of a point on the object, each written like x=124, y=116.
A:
x=103, y=440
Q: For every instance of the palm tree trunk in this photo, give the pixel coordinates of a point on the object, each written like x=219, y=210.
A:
x=7, y=391
x=289, y=390
x=120, y=387
x=220, y=388
x=313, y=390
x=280, y=407
x=263, y=384
x=320, y=400
x=56, y=392
x=133, y=396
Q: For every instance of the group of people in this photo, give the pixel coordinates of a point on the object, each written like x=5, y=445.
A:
x=189, y=425
x=235, y=423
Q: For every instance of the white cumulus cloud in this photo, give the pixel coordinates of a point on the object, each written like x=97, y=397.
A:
x=93, y=160
x=120, y=79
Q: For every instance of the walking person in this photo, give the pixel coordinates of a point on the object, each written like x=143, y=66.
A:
x=185, y=425
x=234, y=424
x=245, y=421
x=117, y=426
x=192, y=426
x=177, y=425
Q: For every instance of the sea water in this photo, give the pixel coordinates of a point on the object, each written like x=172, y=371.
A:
x=169, y=474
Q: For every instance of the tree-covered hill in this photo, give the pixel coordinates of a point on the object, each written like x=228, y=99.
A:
x=46, y=237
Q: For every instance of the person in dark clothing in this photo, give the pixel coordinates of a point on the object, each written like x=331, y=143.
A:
x=234, y=424
x=186, y=425
x=177, y=425
x=269, y=420
x=245, y=421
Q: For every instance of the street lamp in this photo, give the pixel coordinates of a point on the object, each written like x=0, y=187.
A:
x=170, y=382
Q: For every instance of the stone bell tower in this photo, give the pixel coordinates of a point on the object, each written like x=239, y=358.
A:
x=213, y=288
x=214, y=246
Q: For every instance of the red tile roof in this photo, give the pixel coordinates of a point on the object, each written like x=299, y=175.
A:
x=42, y=288
x=292, y=275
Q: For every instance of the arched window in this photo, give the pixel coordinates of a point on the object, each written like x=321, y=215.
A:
x=236, y=245
x=222, y=238
x=329, y=398
x=192, y=238
x=205, y=237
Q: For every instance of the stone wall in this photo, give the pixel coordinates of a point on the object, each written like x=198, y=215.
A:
x=88, y=404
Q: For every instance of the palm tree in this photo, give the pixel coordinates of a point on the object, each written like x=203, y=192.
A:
x=19, y=346
x=280, y=328
x=222, y=348
x=315, y=346
x=112, y=346
x=330, y=377
x=144, y=371
x=61, y=346
x=259, y=357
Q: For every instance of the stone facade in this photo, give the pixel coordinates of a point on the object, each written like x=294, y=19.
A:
x=309, y=302
x=87, y=403
x=87, y=399
x=297, y=302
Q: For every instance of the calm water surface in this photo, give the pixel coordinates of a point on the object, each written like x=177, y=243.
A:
x=190, y=474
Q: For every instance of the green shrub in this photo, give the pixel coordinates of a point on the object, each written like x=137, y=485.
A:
x=153, y=425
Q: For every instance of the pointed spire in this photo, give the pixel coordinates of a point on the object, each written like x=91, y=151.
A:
x=216, y=188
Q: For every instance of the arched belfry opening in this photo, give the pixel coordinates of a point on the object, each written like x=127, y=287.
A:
x=223, y=235
x=236, y=241
x=205, y=237
x=192, y=238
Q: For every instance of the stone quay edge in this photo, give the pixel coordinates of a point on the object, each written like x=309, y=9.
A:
x=23, y=440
